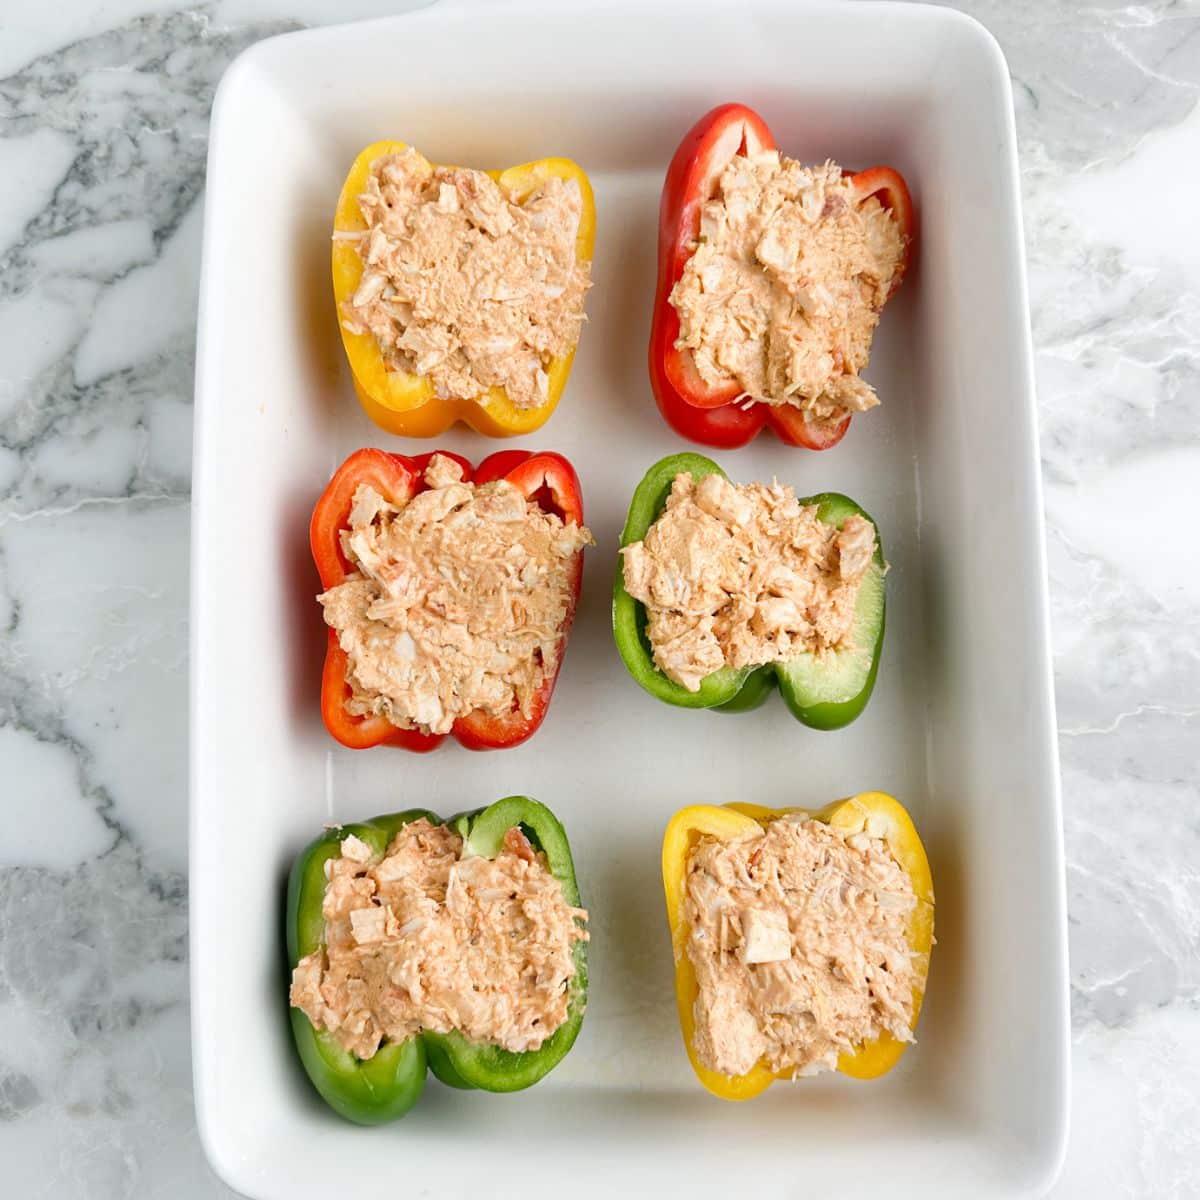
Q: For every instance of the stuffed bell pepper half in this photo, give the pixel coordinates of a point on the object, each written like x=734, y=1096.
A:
x=448, y=593
x=801, y=940
x=460, y=293
x=457, y=946
x=771, y=278
x=726, y=590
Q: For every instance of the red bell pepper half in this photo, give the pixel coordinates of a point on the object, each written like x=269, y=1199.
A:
x=712, y=415
x=544, y=477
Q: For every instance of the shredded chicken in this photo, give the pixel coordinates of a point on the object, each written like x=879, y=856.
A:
x=462, y=285
x=798, y=936
x=783, y=292
x=425, y=938
x=742, y=574
x=457, y=602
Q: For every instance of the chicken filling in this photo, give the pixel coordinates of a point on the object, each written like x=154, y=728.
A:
x=737, y=575
x=427, y=938
x=463, y=286
x=457, y=602
x=783, y=292
x=798, y=939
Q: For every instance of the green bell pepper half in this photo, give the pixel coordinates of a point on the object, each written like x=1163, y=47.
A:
x=387, y=1085
x=822, y=691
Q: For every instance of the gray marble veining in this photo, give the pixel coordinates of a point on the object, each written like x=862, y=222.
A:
x=103, y=122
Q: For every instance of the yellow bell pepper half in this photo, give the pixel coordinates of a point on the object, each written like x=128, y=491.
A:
x=405, y=404
x=875, y=812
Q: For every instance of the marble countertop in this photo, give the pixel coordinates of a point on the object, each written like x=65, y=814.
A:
x=103, y=122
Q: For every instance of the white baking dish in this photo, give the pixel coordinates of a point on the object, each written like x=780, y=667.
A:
x=961, y=727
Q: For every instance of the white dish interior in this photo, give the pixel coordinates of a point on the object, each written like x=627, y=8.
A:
x=961, y=726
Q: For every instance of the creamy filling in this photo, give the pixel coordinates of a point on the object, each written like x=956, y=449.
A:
x=427, y=939
x=463, y=286
x=737, y=575
x=457, y=601
x=783, y=291
x=798, y=937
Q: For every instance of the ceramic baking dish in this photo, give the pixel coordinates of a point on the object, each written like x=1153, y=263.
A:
x=961, y=727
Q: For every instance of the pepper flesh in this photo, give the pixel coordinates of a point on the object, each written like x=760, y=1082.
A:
x=405, y=404
x=821, y=692
x=544, y=477
x=878, y=814
x=389, y=1083
x=713, y=415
